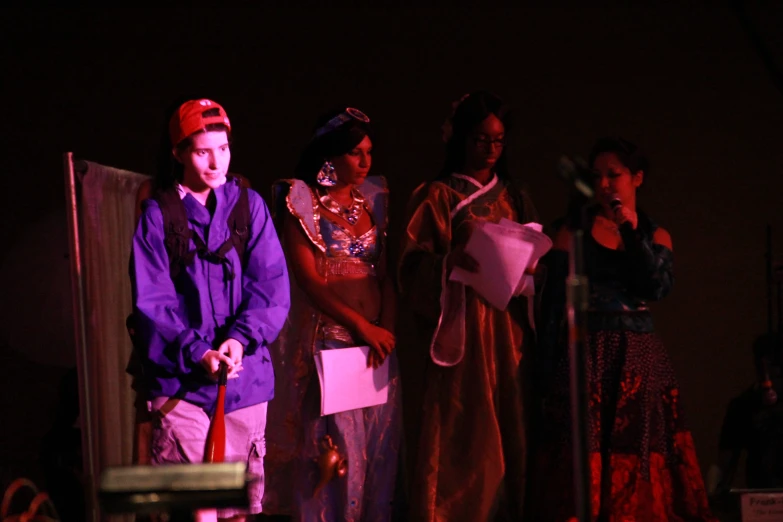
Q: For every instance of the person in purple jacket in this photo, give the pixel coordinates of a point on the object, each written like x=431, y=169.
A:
x=212, y=308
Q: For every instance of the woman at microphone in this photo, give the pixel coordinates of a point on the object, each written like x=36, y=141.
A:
x=641, y=456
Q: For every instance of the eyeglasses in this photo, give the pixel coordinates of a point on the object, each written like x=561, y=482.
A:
x=486, y=143
x=340, y=119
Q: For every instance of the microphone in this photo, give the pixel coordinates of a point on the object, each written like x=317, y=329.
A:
x=615, y=204
x=576, y=172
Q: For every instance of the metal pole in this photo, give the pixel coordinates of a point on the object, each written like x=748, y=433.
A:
x=780, y=308
x=80, y=336
x=580, y=179
x=577, y=286
x=775, y=276
x=770, y=281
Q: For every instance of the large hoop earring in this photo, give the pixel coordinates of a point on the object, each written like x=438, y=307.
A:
x=326, y=176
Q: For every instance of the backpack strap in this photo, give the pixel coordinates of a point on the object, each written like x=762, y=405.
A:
x=239, y=224
x=178, y=233
x=175, y=228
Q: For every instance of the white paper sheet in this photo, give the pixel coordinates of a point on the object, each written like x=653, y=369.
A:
x=346, y=381
x=503, y=251
x=532, y=233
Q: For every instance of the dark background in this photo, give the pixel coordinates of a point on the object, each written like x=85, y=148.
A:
x=689, y=84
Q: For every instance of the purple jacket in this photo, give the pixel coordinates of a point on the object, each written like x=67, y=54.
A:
x=176, y=326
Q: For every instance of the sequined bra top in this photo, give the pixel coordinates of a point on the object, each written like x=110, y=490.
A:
x=349, y=254
x=340, y=242
x=343, y=253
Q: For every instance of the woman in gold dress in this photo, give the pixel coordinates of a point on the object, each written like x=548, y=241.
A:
x=471, y=456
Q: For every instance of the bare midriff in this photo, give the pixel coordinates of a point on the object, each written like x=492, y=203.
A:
x=362, y=292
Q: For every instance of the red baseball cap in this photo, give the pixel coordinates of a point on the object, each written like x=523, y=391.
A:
x=189, y=119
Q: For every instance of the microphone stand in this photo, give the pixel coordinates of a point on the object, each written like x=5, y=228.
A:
x=577, y=301
x=577, y=292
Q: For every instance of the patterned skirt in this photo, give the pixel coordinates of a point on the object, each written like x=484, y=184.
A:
x=641, y=457
x=368, y=438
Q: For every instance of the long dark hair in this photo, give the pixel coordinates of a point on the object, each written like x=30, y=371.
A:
x=170, y=171
x=336, y=142
x=468, y=114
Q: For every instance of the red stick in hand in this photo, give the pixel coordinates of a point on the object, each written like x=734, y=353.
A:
x=215, y=450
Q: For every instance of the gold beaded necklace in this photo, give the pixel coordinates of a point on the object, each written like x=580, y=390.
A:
x=351, y=213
